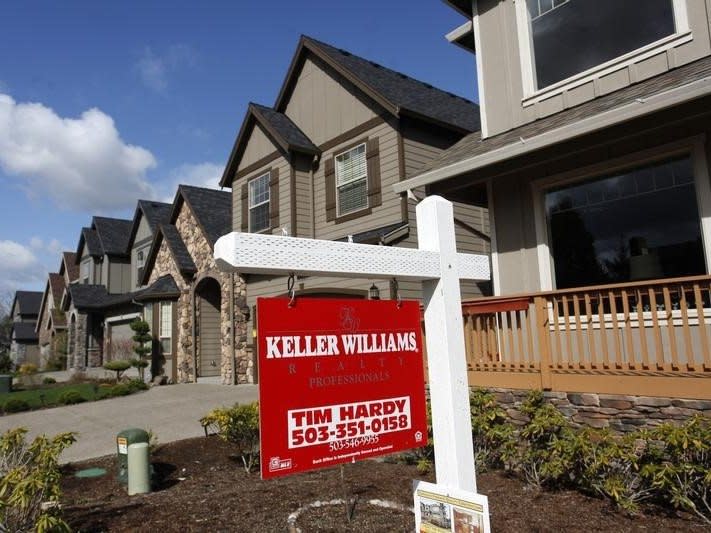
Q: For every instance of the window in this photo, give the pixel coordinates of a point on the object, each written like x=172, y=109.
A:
x=85, y=272
x=259, y=204
x=140, y=259
x=631, y=226
x=166, y=327
x=148, y=314
x=351, y=180
x=571, y=36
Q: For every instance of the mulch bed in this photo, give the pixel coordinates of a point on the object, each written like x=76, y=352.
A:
x=201, y=486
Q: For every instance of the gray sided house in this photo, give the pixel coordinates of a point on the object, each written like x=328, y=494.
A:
x=195, y=310
x=322, y=161
x=593, y=163
x=101, y=304
x=25, y=308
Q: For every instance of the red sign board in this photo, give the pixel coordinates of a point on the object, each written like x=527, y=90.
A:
x=339, y=381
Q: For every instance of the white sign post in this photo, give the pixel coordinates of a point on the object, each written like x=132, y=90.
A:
x=438, y=265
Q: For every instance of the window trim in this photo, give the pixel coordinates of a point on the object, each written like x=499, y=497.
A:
x=532, y=95
x=266, y=175
x=339, y=214
x=693, y=147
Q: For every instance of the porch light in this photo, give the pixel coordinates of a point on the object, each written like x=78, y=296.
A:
x=374, y=292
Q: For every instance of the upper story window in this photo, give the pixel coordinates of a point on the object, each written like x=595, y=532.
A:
x=140, y=258
x=85, y=272
x=351, y=180
x=568, y=37
x=259, y=203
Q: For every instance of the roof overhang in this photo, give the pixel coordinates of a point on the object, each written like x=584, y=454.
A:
x=463, y=36
x=464, y=7
x=624, y=113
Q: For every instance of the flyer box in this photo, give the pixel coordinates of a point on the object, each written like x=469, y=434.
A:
x=440, y=509
x=340, y=380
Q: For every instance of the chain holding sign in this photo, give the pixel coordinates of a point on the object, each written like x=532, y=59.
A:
x=340, y=380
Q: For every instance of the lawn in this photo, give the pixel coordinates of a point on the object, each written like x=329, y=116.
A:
x=48, y=395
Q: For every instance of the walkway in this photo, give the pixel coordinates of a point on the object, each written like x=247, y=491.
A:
x=171, y=412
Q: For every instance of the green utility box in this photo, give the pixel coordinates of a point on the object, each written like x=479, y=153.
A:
x=123, y=440
x=5, y=383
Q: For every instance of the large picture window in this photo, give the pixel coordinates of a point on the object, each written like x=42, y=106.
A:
x=351, y=180
x=259, y=204
x=631, y=226
x=571, y=36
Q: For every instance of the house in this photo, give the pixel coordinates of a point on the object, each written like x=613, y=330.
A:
x=23, y=338
x=51, y=322
x=196, y=311
x=101, y=304
x=593, y=163
x=321, y=162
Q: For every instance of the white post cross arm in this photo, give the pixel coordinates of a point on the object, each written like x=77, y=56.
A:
x=438, y=265
x=254, y=253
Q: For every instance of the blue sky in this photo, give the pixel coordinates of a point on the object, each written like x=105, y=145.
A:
x=105, y=102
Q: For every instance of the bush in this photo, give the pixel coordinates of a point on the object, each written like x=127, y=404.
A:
x=239, y=425
x=49, y=381
x=119, y=366
x=679, y=468
x=122, y=389
x=6, y=364
x=28, y=369
x=543, y=453
x=70, y=397
x=136, y=385
x=29, y=482
x=15, y=405
x=492, y=434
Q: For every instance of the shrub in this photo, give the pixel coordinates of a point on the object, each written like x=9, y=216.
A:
x=136, y=385
x=70, y=397
x=6, y=364
x=239, y=425
x=49, y=381
x=492, y=433
x=29, y=482
x=680, y=465
x=28, y=369
x=543, y=451
x=142, y=348
x=122, y=389
x=16, y=405
x=58, y=355
x=119, y=366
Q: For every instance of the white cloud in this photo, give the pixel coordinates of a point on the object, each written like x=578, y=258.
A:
x=53, y=247
x=79, y=163
x=200, y=174
x=154, y=69
x=20, y=268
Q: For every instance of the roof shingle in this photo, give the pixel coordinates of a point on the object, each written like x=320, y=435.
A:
x=212, y=209
x=283, y=126
x=113, y=233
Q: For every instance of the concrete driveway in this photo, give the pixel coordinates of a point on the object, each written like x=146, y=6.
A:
x=171, y=412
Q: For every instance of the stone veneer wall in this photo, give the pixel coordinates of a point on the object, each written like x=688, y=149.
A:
x=619, y=413
x=202, y=256
x=78, y=343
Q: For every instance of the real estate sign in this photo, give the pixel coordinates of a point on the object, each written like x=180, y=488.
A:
x=339, y=380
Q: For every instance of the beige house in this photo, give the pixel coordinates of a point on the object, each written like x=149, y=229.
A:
x=101, y=303
x=593, y=163
x=195, y=310
x=322, y=161
x=51, y=320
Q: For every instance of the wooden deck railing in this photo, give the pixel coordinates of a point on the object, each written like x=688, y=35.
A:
x=644, y=338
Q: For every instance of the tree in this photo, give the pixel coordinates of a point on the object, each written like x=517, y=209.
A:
x=142, y=348
x=6, y=299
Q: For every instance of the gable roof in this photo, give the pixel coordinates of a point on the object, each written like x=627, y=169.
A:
x=396, y=92
x=155, y=213
x=24, y=332
x=90, y=239
x=69, y=265
x=638, y=97
x=113, y=233
x=162, y=288
x=96, y=297
x=280, y=129
x=212, y=210
x=27, y=302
